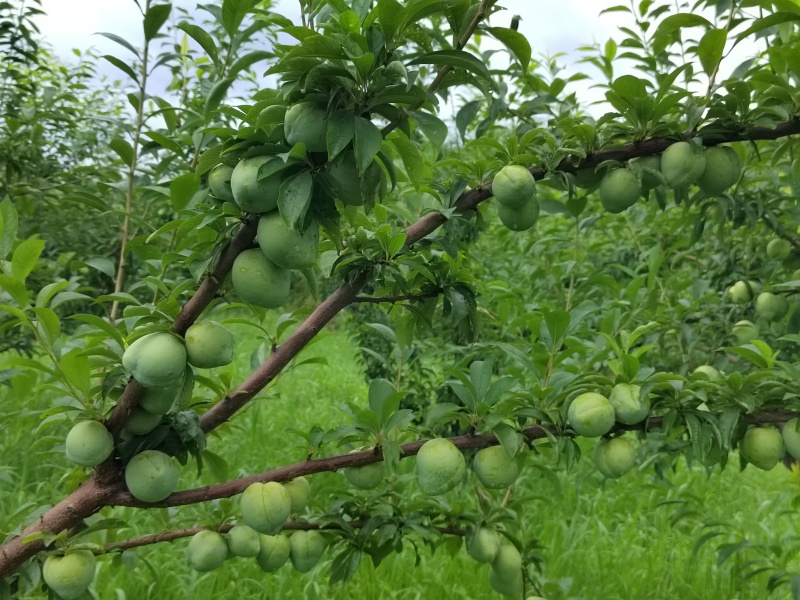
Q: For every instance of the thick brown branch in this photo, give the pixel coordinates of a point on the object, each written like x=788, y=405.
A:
x=169, y=536
x=357, y=459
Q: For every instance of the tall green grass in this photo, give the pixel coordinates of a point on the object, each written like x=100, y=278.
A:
x=601, y=539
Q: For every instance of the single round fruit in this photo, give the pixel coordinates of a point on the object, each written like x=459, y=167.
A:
x=141, y=422
x=350, y=187
x=508, y=561
x=259, y=281
x=299, y=491
x=495, y=468
x=256, y=195
x=629, y=406
x=791, y=438
x=771, y=307
x=778, y=249
x=652, y=162
x=507, y=586
x=588, y=179
x=274, y=552
x=514, y=186
x=219, y=180
x=591, y=415
x=708, y=373
x=207, y=551
x=745, y=331
x=440, y=466
x=484, y=545
x=740, y=292
x=89, y=443
x=266, y=507
x=156, y=359
x=762, y=447
x=306, y=548
x=287, y=248
x=70, y=575
x=160, y=400
x=519, y=219
x=308, y=124
x=209, y=344
x=613, y=458
x=723, y=169
x=682, y=164
x=151, y=476
x=619, y=190
x=367, y=477
x=243, y=541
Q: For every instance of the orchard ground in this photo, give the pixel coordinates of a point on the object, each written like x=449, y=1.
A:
x=600, y=538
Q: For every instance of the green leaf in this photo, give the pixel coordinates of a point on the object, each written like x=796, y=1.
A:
x=248, y=60
x=466, y=115
x=710, y=49
x=25, y=256
x=123, y=149
x=202, y=37
x=154, y=19
x=412, y=159
x=9, y=224
x=208, y=160
x=182, y=189
x=294, y=198
x=102, y=264
x=554, y=328
x=216, y=95
x=516, y=42
x=433, y=127
x=164, y=141
x=233, y=13
x=121, y=41
x=675, y=22
x=367, y=143
x=508, y=438
x=458, y=59
x=379, y=391
x=341, y=129
x=122, y=66
x=49, y=323
x=390, y=15
x=767, y=22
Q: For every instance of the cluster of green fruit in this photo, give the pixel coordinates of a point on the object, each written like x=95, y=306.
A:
x=515, y=190
x=713, y=170
x=593, y=415
x=265, y=508
x=488, y=547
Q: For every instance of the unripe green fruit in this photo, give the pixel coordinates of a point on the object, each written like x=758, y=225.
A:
x=629, y=407
x=151, y=476
x=762, y=447
x=508, y=561
x=653, y=162
x=514, y=186
x=308, y=124
x=771, y=307
x=350, y=187
x=682, y=164
x=739, y=292
x=259, y=281
x=219, y=180
x=507, y=586
x=778, y=249
x=791, y=438
x=89, y=443
x=440, y=466
x=207, y=551
x=591, y=415
x=306, y=548
x=141, y=422
x=71, y=575
x=159, y=400
x=519, y=219
x=156, y=359
x=619, y=190
x=250, y=193
x=708, y=373
x=723, y=169
x=274, y=552
x=243, y=541
x=266, y=507
x=495, y=468
x=366, y=477
x=588, y=179
x=287, y=248
x=299, y=491
x=209, y=344
x=745, y=331
x=613, y=458
x=484, y=545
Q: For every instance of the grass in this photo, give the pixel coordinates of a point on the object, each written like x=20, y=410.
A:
x=600, y=539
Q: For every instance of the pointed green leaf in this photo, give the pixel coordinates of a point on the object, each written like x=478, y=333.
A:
x=25, y=257
x=294, y=198
x=154, y=19
x=367, y=143
x=710, y=49
x=516, y=42
x=9, y=224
